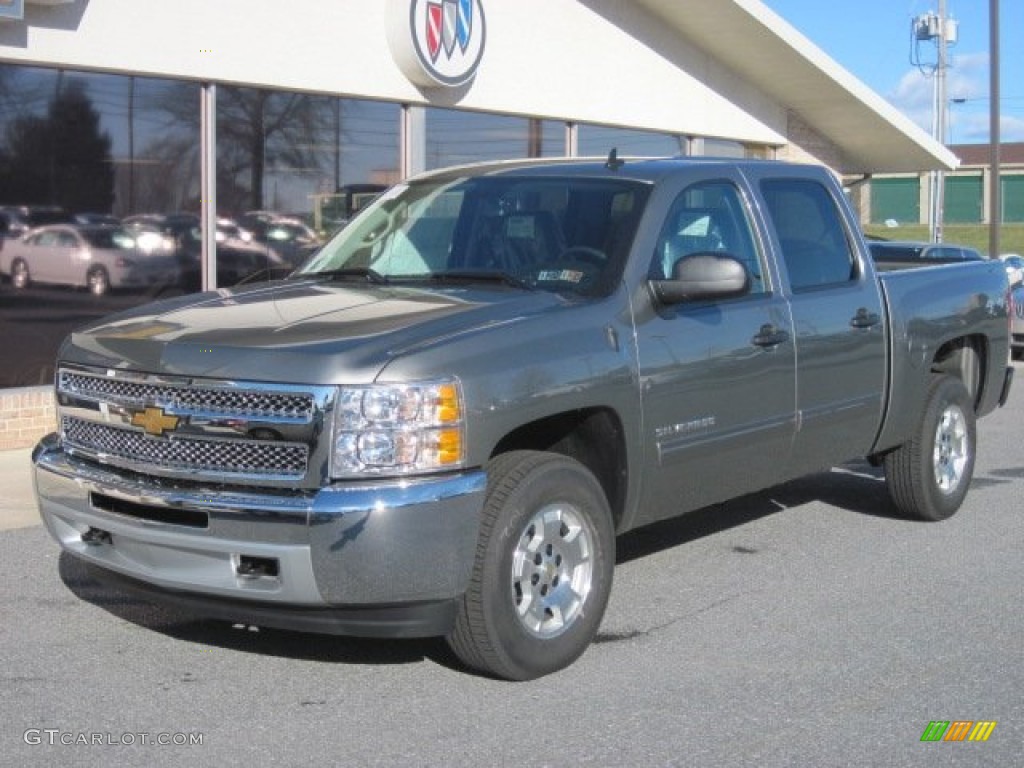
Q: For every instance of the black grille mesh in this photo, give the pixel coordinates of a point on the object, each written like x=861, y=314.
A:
x=220, y=456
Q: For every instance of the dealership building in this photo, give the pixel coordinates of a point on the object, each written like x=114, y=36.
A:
x=229, y=108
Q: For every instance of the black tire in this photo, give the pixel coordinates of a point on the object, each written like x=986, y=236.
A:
x=508, y=624
x=928, y=476
x=97, y=281
x=20, y=276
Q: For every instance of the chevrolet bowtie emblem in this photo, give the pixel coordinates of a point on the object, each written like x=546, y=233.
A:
x=154, y=421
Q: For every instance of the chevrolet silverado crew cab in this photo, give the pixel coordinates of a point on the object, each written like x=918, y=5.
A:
x=441, y=421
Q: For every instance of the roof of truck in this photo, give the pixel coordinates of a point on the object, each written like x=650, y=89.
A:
x=637, y=168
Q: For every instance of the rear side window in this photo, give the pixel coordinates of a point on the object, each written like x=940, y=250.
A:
x=810, y=231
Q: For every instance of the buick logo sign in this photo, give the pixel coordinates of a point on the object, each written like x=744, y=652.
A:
x=437, y=42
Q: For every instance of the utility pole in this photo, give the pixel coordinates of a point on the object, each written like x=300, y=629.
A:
x=995, y=213
x=939, y=200
x=943, y=31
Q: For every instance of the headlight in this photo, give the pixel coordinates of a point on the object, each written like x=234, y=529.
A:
x=398, y=429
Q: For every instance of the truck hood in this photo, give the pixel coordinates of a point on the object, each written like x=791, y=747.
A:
x=310, y=331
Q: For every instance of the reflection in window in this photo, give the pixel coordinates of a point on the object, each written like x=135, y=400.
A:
x=597, y=141
x=722, y=148
x=293, y=168
x=98, y=149
x=87, y=150
x=457, y=138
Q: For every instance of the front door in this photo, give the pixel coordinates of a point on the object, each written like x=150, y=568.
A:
x=717, y=378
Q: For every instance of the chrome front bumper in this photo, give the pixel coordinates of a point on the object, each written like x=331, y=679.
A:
x=348, y=545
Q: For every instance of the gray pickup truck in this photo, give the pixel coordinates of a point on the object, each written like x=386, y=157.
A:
x=439, y=424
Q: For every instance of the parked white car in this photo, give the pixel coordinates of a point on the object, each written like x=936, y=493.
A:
x=95, y=257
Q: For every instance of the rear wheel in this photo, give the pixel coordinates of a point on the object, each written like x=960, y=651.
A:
x=928, y=476
x=543, y=570
x=20, y=277
x=98, y=281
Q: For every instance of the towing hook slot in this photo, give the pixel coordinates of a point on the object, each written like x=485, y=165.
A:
x=250, y=567
x=95, y=537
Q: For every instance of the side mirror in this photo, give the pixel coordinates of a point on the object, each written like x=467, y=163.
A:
x=703, y=277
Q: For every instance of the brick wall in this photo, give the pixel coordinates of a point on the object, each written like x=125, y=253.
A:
x=806, y=145
x=25, y=415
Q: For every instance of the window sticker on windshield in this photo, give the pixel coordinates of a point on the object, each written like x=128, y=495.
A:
x=560, y=275
x=519, y=227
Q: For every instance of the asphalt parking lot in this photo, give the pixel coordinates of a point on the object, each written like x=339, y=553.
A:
x=804, y=626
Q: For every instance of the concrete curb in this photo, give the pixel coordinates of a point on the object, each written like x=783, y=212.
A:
x=17, y=498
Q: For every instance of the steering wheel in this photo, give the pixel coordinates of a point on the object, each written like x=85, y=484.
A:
x=585, y=254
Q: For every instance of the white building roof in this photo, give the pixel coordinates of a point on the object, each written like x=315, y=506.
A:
x=761, y=47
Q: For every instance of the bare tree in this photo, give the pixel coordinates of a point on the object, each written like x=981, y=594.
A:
x=63, y=158
x=257, y=131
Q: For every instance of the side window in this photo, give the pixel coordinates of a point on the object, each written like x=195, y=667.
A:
x=945, y=253
x=810, y=231
x=708, y=217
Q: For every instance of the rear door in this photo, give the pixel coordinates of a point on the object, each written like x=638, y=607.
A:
x=44, y=256
x=838, y=316
x=717, y=378
x=70, y=261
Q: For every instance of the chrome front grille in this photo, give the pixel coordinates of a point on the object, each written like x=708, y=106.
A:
x=243, y=403
x=250, y=458
x=195, y=429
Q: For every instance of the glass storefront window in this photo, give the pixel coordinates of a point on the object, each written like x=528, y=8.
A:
x=598, y=141
x=111, y=164
x=79, y=154
x=291, y=169
x=457, y=138
x=723, y=148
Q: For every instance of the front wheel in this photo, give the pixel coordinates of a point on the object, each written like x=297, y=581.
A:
x=928, y=476
x=543, y=569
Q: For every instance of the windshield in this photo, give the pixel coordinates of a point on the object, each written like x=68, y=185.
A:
x=558, y=234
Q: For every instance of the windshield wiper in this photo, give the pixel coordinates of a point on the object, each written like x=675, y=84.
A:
x=484, y=276
x=366, y=273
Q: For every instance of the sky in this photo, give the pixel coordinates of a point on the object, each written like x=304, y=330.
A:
x=872, y=40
